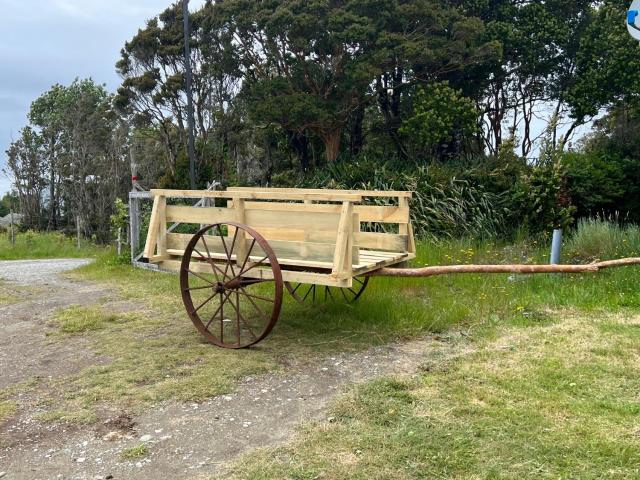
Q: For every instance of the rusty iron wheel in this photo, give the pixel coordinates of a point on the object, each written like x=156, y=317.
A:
x=305, y=293
x=234, y=303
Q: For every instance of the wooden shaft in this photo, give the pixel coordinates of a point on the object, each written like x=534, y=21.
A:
x=523, y=269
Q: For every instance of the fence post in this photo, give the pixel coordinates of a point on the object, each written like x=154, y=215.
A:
x=12, y=233
x=134, y=224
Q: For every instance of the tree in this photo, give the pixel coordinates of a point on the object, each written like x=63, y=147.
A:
x=607, y=67
x=45, y=114
x=540, y=46
x=27, y=165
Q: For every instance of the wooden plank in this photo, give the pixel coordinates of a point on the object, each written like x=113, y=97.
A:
x=313, y=252
x=326, y=195
x=152, y=233
x=282, y=219
x=364, y=193
x=162, y=228
x=203, y=215
x=287, y=275
x=342, y=257
x=381, y=241
x=368, y=213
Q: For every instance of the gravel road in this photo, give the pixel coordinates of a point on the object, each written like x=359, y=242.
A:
x=38, y=272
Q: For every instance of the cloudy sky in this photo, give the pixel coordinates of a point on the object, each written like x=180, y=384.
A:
x=43, y=42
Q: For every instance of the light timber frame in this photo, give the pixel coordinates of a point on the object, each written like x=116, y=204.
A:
x=316, y=234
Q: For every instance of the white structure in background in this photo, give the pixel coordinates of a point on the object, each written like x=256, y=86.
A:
x=633, y=19
x=6, y=220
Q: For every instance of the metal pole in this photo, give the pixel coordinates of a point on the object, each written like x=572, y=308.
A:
x=187, y=66
x=556, y=247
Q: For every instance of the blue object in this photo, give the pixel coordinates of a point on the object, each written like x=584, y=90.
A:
x=631, y=17
x=556, y=247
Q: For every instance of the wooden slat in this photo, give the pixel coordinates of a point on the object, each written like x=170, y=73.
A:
x=364, y=193
x=325, y=195
x=256, y=258
x=287, y=276
x=205, y=215
x=368, y=213
x=382, y=241
x=320, y=252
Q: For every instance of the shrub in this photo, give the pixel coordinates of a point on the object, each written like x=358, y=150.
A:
x=440, y=208
x=600, y=238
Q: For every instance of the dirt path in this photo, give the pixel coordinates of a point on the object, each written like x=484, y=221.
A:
x=183, y=440
x=200, y=439
x=25, y=351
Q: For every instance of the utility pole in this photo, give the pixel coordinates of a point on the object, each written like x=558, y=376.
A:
x=187, y=66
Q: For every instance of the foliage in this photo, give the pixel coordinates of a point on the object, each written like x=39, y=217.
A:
x=440, y=208
x=132, y=453
x=600, y=238
x=9, y=201
x=542, y=197
x=74, y=150
x=440, y=115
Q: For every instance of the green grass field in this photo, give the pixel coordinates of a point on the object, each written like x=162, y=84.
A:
x=32, y=245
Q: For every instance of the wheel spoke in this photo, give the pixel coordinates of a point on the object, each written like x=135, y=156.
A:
x=308, y=292
x=213, y=317
x=344, y=294
x=329, y=292
x=240, y=317
x=205, y=302
x=244, y=263
x=255, y=305
x=198, y=288
x=251, y=267
x=226, y=250
x=206, y=247
x=201, y=277
x=257, y=297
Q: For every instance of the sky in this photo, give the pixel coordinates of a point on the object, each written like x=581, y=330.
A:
x=43, y=42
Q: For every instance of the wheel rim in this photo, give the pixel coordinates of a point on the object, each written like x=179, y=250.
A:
x=305, y=293
x=233, y=302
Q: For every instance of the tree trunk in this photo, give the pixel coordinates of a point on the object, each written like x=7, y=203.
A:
x=331, y=140
x=52, y=225
x=356, y=136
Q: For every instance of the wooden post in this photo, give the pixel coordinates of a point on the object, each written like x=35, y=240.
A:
x=241, y=239
x=119, y=241
x=11, y=231
x=134, y=226
x=342, y=259
x=78, y=229
x=152, y=233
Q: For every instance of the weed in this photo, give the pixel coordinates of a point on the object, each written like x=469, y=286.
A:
x=132, y=453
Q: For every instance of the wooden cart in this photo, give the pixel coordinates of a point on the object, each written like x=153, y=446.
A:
x=315, y=243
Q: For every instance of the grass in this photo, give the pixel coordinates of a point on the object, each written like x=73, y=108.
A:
x=153, y=353
x=133, y=453
x=31, y=245
x=7, y=409
x=7, y=294
x=79, y=319
x=554, y=401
